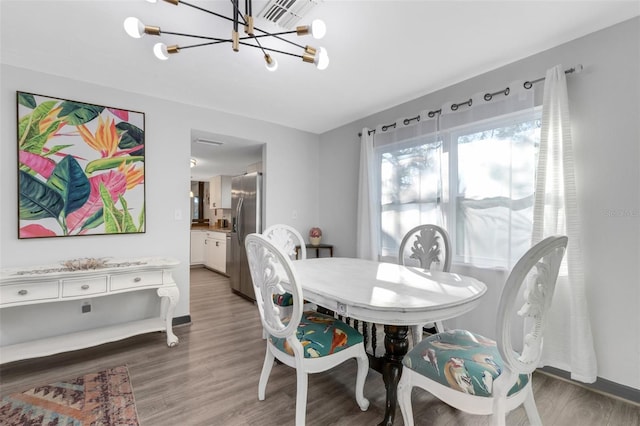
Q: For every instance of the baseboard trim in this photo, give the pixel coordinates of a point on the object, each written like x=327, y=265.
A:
x=607, y=387
x=185, y=319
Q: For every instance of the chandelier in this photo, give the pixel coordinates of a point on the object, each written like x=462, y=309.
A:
x=253, y=36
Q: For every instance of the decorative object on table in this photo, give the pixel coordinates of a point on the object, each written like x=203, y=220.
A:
x=284, y=14
x=80, y=168
x=83, y=264
x=481, y=376
x=315, y=235
x=103, y=398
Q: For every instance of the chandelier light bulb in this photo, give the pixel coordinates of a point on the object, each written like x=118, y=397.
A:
x=318, y=29
x=271, y=63
x=160, y=50
x=134, y=27
x=322, y=59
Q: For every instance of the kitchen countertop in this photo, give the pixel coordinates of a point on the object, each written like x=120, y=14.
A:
x=210, y=228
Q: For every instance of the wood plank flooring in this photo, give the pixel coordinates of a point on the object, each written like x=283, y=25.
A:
x=211, y=378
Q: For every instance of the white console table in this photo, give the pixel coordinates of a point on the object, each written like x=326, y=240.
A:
x=57, y=283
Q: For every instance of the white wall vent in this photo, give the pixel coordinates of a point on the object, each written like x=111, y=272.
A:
x=287, y=13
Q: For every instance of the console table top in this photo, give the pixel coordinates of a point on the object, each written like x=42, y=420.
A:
x=107, y=265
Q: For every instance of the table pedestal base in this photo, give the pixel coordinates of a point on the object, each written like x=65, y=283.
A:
x=396, y=346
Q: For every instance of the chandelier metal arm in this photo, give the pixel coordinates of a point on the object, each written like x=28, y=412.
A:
x=268, y=49
x=264, y=33
x=221, y=39
x=241, y=38
x=196, y=36
x=205, y=10
x=204, y=44
x=236, y=14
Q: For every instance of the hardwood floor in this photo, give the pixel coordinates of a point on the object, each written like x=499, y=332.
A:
x=211, y=378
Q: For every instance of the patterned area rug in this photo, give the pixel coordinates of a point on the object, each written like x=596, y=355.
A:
x=99, y=399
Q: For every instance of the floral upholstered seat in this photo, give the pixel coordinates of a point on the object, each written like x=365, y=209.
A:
x=461, y=360
x=320, y=335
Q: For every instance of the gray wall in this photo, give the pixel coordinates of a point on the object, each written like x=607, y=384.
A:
x=605, y=112
x=168, y=126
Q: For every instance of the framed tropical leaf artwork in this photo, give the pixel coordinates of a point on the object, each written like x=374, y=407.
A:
x=80, y=168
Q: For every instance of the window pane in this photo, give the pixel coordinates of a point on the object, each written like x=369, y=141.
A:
x=494, y=204
x=410, y=191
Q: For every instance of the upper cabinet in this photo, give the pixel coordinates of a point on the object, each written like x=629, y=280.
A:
x=220, y=190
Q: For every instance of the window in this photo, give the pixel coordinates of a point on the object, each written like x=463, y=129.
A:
x=475, y=179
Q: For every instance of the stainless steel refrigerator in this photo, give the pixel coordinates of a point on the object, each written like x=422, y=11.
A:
x=246, y=210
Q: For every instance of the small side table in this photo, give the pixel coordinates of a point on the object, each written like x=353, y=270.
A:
x=317, y=249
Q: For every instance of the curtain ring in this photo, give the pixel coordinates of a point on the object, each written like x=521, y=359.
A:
x=409, y=120
x=454, y=107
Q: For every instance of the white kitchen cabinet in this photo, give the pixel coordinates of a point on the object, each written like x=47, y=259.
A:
x=197, y=247
x=220, y=192
x=215, y=248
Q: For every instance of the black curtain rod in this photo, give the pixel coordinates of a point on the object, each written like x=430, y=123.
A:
x=487, y=97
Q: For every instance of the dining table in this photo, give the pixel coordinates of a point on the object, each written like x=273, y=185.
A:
x=393, y=295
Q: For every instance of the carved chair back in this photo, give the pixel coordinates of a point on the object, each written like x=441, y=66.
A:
x=427, y=246
x=537, y=270
x=287, y=238
x=270, y=267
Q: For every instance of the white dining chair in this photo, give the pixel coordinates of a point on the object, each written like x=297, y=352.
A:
x=287, y=238
x=428, y=247
x=481, y=376
x=310, y=342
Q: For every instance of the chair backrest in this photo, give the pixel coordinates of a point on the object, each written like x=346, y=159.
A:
x=427, y=246
x=287, y=238
x=537, y=269
x=270, y=268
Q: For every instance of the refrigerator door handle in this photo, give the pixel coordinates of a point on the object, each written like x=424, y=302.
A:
x=239, y=221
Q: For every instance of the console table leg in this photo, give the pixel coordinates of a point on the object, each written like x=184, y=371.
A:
x=169, y=296
x=396, y=346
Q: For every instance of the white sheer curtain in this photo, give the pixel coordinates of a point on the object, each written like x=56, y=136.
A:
x=367, y=231
x=568, y=342
x=493, y=220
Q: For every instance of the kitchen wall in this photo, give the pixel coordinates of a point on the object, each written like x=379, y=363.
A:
x=605, y=112
x=291, y=186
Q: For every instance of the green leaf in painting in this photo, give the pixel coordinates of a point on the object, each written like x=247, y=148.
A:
x=132, y=136
x=141, y=220
x=94, y=221
x=111, y=214
x=109, y=163
x=36, y=142
x=29, y=124
x=55, y=149
x=27, y=100
x=127, y=224
x=76, y=113
x=37, y=200
x=71, y=182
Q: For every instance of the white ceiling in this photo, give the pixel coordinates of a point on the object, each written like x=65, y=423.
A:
x=382, y=53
